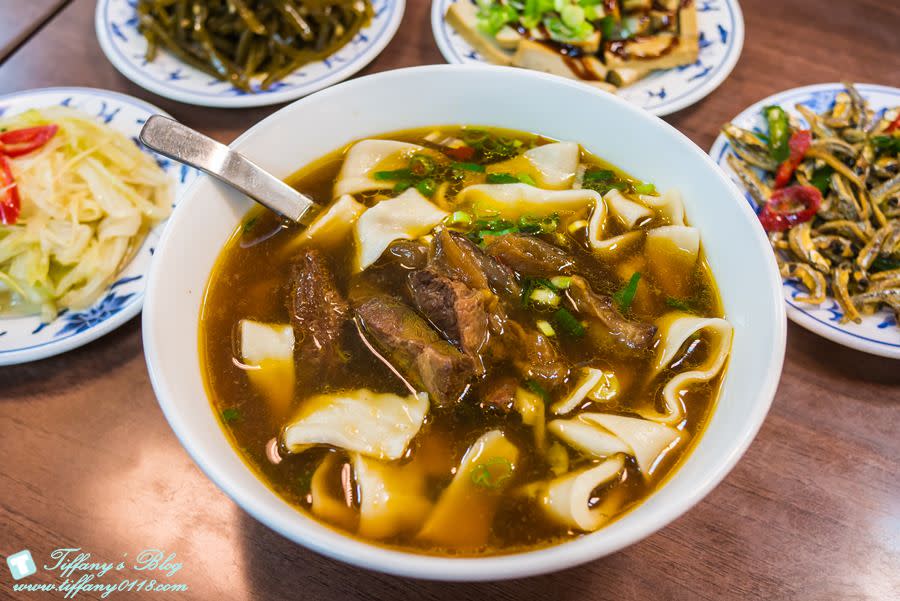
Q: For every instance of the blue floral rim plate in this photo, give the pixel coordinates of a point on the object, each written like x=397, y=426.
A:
x=116, y=22
x=24, y=339
x=878, y=334
x=721, y=25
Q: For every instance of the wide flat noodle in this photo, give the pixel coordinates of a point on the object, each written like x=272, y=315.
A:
x=605, y=434
x=363, y=158
x=391, y=498
x=674, y=330
x=406, y=217
x=555, y=163
x=378, y=425
x=567, y=499
x=463, y=515
x=514, y=200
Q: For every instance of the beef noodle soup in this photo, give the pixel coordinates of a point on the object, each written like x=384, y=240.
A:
x=485, y=342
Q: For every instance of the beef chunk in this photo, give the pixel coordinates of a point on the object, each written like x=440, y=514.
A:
x=415, y=350
x=499, y=394
x=318, y=312
x=635, y=335
x=534, y=355
x=454, y=309
x=456, y=257
x=530, y=256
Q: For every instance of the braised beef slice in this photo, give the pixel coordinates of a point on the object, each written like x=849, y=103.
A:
x=318, y=312
x=635, y=335
x=456, y=257
x=499, y=394
x=530, y=256
x=454, y=309
x=417, y=351
x=534, y=355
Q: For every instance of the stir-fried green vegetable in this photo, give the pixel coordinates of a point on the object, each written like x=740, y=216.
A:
x=242, y=40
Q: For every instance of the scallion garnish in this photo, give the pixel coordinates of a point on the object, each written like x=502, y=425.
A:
x=625, y=296
x=568, y=323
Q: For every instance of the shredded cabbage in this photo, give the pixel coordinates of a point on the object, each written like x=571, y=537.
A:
x=89, y=197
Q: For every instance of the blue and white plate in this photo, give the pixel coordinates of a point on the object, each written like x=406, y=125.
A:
x=721, y=27
x=116, y=25
x=878, y=334
x=26, y=339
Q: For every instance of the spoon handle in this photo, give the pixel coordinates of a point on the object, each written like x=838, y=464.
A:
x=185, y=145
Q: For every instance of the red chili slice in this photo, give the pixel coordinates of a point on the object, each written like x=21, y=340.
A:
x=9, y=194
x=895, y=124
x=463, y=153
x=790, y=206
x=799, y=143
x=17, y=142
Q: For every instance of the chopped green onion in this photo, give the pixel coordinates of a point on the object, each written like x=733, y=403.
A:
x=544, y=326
x=568, y=323
x=677, y=303
x=599, y=176
x=544, y=296
x=625, y=296
x=537, y=389
x=561, y=281
x=250, y=223
x=502, y=178
x=526, y=179
x=426, y=187
x=230, y=414
x=421, y=165
x=396, y=174
x=645, y=188
x=402, y=186
x=460, y=218
x=468, y=167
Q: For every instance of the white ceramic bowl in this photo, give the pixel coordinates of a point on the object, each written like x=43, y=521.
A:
x=642, y=145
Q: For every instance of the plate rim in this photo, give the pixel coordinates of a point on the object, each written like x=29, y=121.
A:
x=733, y=55
x=796, y=313
x=52, y=348
x=134, y=74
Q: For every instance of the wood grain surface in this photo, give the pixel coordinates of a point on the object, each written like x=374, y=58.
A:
x=811, y=512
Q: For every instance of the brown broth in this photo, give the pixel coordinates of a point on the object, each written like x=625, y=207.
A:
x=249, y=281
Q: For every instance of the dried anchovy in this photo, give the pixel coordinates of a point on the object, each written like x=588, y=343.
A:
x=852, y=245
x=239, y=41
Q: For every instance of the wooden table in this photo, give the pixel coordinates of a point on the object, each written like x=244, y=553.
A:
x=811, y=512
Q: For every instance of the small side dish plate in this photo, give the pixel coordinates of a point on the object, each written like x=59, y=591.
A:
x=24, y=339
x=116, y=24
x=721, y=25
x=878, y=334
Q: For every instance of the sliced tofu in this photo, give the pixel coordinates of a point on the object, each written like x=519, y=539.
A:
x=538, y=57
x=661, y=51
x=463, y=17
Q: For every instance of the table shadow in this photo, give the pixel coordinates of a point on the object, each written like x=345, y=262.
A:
x=815, y=353
x=25, y=381
x=276, y=568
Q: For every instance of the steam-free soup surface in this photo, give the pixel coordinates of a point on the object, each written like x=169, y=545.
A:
x=530, y=360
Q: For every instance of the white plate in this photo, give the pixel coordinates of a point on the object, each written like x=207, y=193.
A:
x=26, y=339
x=721, y=27
x=878, y=334
x=116, y=25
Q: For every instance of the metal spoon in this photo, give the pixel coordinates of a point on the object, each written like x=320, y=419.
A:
x=185, y=145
